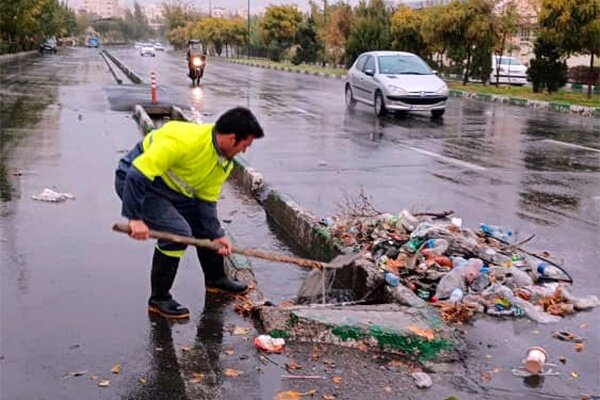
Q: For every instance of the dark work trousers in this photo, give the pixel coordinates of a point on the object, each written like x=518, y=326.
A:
x=169, y=211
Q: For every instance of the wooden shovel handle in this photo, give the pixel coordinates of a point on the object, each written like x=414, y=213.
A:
x=210, y=245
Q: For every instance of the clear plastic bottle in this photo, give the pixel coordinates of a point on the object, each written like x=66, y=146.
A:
x=548, y=271
x=496, y=232
x=435, y=247
x=452, y=280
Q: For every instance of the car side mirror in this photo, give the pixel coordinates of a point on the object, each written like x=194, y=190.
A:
x=435, y=72
x=369, y=72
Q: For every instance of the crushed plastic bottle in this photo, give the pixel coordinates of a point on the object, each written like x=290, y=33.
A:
x=426, y=230
x=411, y=246
x=496, y=232
x=407, y=221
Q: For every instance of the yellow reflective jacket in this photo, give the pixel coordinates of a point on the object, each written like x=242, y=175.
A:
x=186, y=157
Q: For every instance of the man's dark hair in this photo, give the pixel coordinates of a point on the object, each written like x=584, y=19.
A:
x=240, y=121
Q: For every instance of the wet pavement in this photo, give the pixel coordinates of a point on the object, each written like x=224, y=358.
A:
x=73, y=293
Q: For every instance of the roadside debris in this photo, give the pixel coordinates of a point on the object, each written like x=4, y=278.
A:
x=535, y=360
x=269, y=344
x=461, y=271
x=51, y=196
x=422, y=380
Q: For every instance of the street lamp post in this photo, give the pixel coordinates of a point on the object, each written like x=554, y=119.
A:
x=248, y=39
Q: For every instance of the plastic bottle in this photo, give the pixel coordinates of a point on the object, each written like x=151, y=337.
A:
x=391, y=279
x=452, y=280
x=548, y=271
x=411, y=246
x=481, y=282
x=515, y=278
x=435, y=247
x=501, y=260
x=496, y=232
x=425, y=230
x=407, y=221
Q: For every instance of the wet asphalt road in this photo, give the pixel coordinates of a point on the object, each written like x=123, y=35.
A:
x=67, y=304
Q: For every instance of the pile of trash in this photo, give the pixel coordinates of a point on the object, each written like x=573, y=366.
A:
x=459, y=270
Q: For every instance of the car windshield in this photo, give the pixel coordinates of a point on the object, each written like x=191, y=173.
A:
x=507, y=61
x=403, y=65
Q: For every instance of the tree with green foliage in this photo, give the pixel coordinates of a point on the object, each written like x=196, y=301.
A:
x=433, y=35
x=506, y=22
x=370, y=31
x=278, y=28
x=407, y=31
x=340, y=18
x=573, y=25
x=307, y=41
x=547, y=70
x=24, y=23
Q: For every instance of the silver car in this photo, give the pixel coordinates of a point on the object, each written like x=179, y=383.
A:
x=395, y=81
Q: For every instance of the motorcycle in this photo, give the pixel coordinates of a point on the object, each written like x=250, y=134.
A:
x=196, y=67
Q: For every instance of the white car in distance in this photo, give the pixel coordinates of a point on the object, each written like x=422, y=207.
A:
x=146, y=49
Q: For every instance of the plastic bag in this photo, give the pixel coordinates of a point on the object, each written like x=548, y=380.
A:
x=269, y=344
x=580, y=303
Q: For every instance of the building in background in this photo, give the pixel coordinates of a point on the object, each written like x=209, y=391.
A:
x=102, y=8
x=154, y=14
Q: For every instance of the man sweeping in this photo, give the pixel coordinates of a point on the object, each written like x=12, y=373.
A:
x=170, y=181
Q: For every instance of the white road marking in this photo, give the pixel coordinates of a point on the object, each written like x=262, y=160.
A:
x=301, y=111
x=575, y=146
x=448, y=159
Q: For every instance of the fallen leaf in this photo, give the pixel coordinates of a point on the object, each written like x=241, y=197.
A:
x=142, y=381
x=116, y=369
x=426, y=333
x=314, y=353
x=288, y=395
x=228, y=352
x=395, y=364
x=239, y=330
x=337, y=380
x=196, y=378
x=578, y=347
x=245, y=309
x=387, y=389
x=574, y=375
x=328, y=397
x=104, y=383
x=232, y=373
x=362, y=347
x=292, y=365
x=486, y=376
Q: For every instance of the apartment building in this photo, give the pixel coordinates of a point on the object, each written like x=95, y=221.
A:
x=102, y=8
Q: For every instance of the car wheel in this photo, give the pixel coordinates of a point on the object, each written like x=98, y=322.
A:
x=350, y=102
x=437, y=113
x=380, y=109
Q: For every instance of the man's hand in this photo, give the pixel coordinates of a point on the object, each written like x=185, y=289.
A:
x=139, y=229
x=226, y=247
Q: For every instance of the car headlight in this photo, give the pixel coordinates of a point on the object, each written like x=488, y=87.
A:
x=396, y=89
x=443, y=90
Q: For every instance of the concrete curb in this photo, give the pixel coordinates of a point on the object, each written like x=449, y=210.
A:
x=558, y=107
x=131, y=74
x=521, y=102
x=6, y=58
x=111, y=69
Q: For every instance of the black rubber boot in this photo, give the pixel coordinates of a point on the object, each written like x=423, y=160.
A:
x=215, y=280
x=225, y=284
x=164, y=269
